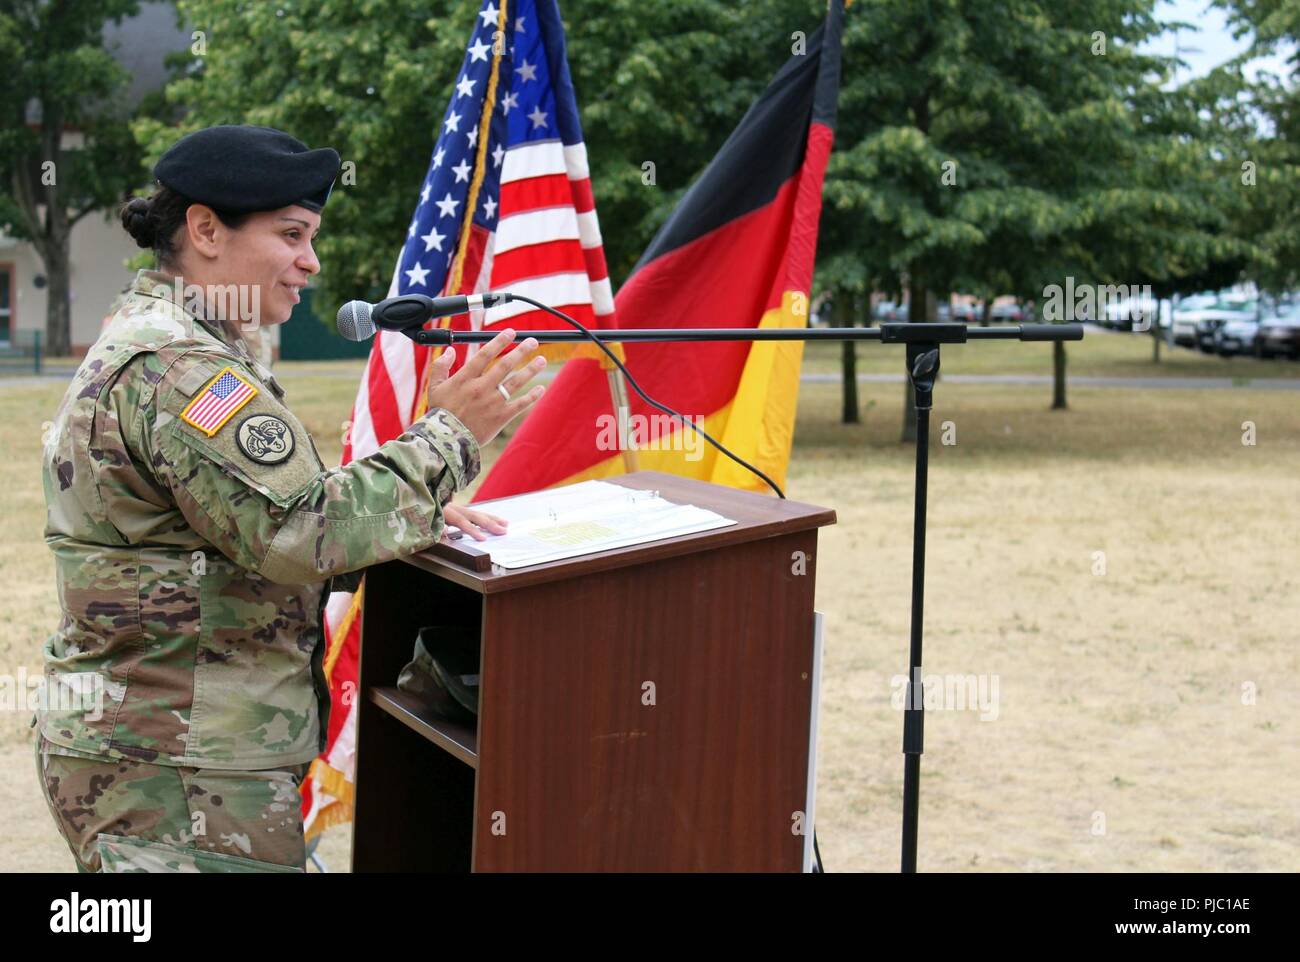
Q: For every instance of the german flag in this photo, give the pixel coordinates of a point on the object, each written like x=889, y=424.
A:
x=738, y=251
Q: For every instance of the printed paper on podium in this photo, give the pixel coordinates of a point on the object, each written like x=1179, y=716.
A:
x=583, y=518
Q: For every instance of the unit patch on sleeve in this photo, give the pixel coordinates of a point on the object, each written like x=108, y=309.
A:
x=265, y=438
x=217, y=403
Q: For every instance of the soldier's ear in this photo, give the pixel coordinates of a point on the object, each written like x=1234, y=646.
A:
x=203, y=230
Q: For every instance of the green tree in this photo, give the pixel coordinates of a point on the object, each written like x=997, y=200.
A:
x=1264, y=116
x=58, y=70
x=999, y=147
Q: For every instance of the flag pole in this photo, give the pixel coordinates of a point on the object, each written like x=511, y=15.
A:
x=618, y=395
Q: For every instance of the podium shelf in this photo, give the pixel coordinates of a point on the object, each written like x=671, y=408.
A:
x=459, y=740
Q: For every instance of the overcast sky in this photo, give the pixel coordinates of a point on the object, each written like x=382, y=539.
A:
x=1213, y=41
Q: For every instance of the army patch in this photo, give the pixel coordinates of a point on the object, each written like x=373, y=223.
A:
x=265, y=438
x=217, y=403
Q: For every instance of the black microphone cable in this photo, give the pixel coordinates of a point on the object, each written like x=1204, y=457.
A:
x=645, y=397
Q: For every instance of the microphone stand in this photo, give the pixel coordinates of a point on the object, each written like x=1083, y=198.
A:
x=923, y=340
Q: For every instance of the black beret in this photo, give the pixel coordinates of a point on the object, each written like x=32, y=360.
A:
x=243, y=168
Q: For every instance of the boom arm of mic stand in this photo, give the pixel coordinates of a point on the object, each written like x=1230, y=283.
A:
x=910, y=333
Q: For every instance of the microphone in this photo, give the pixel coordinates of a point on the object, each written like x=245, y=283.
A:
x=358, y=320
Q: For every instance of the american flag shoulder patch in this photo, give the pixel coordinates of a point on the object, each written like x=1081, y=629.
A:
x=218, y=402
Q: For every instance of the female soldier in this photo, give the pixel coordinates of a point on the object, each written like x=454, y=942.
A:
x=196, y=532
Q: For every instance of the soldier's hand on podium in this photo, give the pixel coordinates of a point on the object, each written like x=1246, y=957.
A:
x=479, y=395
x=473, y=521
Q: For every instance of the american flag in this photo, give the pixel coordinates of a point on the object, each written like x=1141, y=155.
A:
x=509, y=151
x=218, y=404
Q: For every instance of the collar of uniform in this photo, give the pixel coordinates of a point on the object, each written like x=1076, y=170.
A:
x=164, y=287
x=167, y=287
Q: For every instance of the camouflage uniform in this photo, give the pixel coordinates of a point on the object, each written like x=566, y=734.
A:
x=193, y=559
x=130, y=816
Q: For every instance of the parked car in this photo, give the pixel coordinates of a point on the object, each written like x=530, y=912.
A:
x=1187, y=313
x=1279, y=334
x=1131, y=312
x=1011, y=313
x=1236, y=337
x=890, y=311
x=1225, y=310
x=956, y=314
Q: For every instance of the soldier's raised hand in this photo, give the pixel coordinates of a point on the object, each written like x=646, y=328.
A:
x=482, y=397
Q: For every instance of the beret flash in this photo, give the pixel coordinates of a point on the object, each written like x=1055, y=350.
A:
x=242, y=168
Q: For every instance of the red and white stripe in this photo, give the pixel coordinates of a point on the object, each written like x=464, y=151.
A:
x=547, y=243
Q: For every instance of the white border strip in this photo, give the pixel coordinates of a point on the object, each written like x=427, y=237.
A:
x=808, y=816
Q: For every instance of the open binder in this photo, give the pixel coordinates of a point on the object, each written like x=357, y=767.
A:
x=579, y=519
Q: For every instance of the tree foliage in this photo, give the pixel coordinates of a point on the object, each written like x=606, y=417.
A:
x=659, y=82
x=999, y=146
x=1262, y=118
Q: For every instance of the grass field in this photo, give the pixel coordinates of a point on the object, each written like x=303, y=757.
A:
x=1101, y=354
x=1147, y=711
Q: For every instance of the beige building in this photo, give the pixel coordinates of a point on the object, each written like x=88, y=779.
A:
x=99, y=247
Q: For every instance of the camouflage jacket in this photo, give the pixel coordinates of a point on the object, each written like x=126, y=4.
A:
x=195, y=533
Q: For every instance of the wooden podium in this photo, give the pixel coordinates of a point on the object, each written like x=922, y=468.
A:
x=641, y=709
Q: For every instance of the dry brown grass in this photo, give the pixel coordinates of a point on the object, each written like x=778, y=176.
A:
x=1120, y=693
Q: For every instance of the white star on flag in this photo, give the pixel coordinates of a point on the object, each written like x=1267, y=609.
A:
x=473, y=137
x=417, y=274
x=509, y=100
x=479, y=51
x=465, y=88
x=498, y=155
x=538, y=117
x=447, y=206
x=432, y=240
x=489, y=208
x=519, y=25
x=489, y=15
x=461, y=171
x=527, y=72
x=424, y=195
x=437, y=158
x=452, y=122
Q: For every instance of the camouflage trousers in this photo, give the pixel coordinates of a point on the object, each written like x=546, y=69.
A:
x=131, y=816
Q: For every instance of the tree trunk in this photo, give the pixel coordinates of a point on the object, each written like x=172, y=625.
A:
x=58, y=305
x=50, y=234
x=985, y=310
x=58, y=233
x=1058, y=376
x=843, y=312
x=1155, y=335
x=919, y=309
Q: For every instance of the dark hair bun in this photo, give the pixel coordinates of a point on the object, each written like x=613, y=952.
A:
x=136, y=220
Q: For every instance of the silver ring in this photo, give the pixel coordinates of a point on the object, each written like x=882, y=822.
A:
x=502, y=388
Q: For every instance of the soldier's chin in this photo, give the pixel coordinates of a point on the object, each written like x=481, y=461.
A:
x=282, y=310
